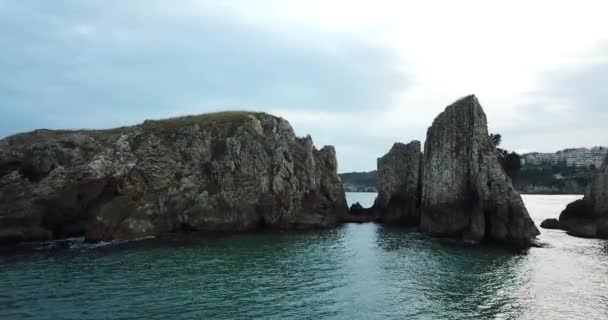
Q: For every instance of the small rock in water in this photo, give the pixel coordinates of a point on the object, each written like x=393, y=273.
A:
x=356, y=208
x=551, y=223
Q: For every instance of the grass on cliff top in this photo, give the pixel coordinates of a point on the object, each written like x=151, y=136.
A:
x=224, y=119
x=229, y=120
x=202, y=119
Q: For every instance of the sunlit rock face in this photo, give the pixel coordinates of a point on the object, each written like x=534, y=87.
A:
x=222, y=171
x=465, y=192
x=588, y=217
x=399, y=184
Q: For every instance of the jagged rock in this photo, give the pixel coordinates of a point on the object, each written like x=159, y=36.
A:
x=399, y=184
x=465, y=192
x=222, y=171
x=588, y=217
x=551, y=223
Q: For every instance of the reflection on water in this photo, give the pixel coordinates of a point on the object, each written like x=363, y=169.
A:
x=357, y=271
x=454, y=280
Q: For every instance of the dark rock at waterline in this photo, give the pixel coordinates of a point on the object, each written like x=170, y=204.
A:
x=222, y=171
x=465, y=192
x=399, y=183
x=356, y=208
x=357, y=213
x=588, y=217
x=551, y=223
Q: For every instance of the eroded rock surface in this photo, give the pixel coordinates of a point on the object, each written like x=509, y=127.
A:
x=222, y=171
x=465, y=192
x=399, y=185
x=588, y=217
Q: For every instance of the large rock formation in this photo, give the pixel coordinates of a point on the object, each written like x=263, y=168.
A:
x=222, y=171
x=399, y=185
x=465, y=192
x=588, y=217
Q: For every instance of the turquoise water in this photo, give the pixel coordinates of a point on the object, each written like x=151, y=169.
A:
x=357, y=271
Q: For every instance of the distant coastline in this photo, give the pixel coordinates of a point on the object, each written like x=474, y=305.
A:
x=567, y=171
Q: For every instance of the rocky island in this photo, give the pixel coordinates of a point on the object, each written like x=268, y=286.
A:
x=220, y=171
x=465, y=192
x=588, y=217
x=457, y=189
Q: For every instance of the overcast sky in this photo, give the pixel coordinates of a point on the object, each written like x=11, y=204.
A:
x=359, y=75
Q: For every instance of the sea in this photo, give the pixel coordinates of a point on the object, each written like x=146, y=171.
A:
x=356, y=271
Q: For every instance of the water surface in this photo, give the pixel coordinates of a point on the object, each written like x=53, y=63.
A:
x=357, y=271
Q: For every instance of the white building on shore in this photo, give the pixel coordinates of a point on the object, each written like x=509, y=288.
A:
x=579, y=157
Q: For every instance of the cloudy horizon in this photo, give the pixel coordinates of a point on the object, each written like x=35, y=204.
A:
x=359, y=75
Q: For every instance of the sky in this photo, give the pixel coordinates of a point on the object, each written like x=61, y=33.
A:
x=359, y=75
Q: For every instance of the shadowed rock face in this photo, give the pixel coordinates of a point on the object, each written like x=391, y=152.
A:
x=465, y=192
x=223, y=171
x=588, y=217
x=399, y=185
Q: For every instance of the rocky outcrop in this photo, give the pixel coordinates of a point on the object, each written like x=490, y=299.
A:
x=551, y=223
x=399, y=185
x=465, y=192
x=222, y=171
x=588, y=217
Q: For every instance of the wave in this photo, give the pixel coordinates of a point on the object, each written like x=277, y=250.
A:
x=79, y=243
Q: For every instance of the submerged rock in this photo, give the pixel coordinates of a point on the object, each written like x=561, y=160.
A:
x=465, y=192
x=399, y=183
x=588, y=217
x=551, y=223
x=221, y=171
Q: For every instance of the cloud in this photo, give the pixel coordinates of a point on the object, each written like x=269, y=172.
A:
x=359, y=75
x=567, y=110
x=86, y=64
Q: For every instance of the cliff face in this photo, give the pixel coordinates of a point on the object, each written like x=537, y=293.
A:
x=223, y=171
x=465, y=192
x=399, y=183
x=588, y=217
